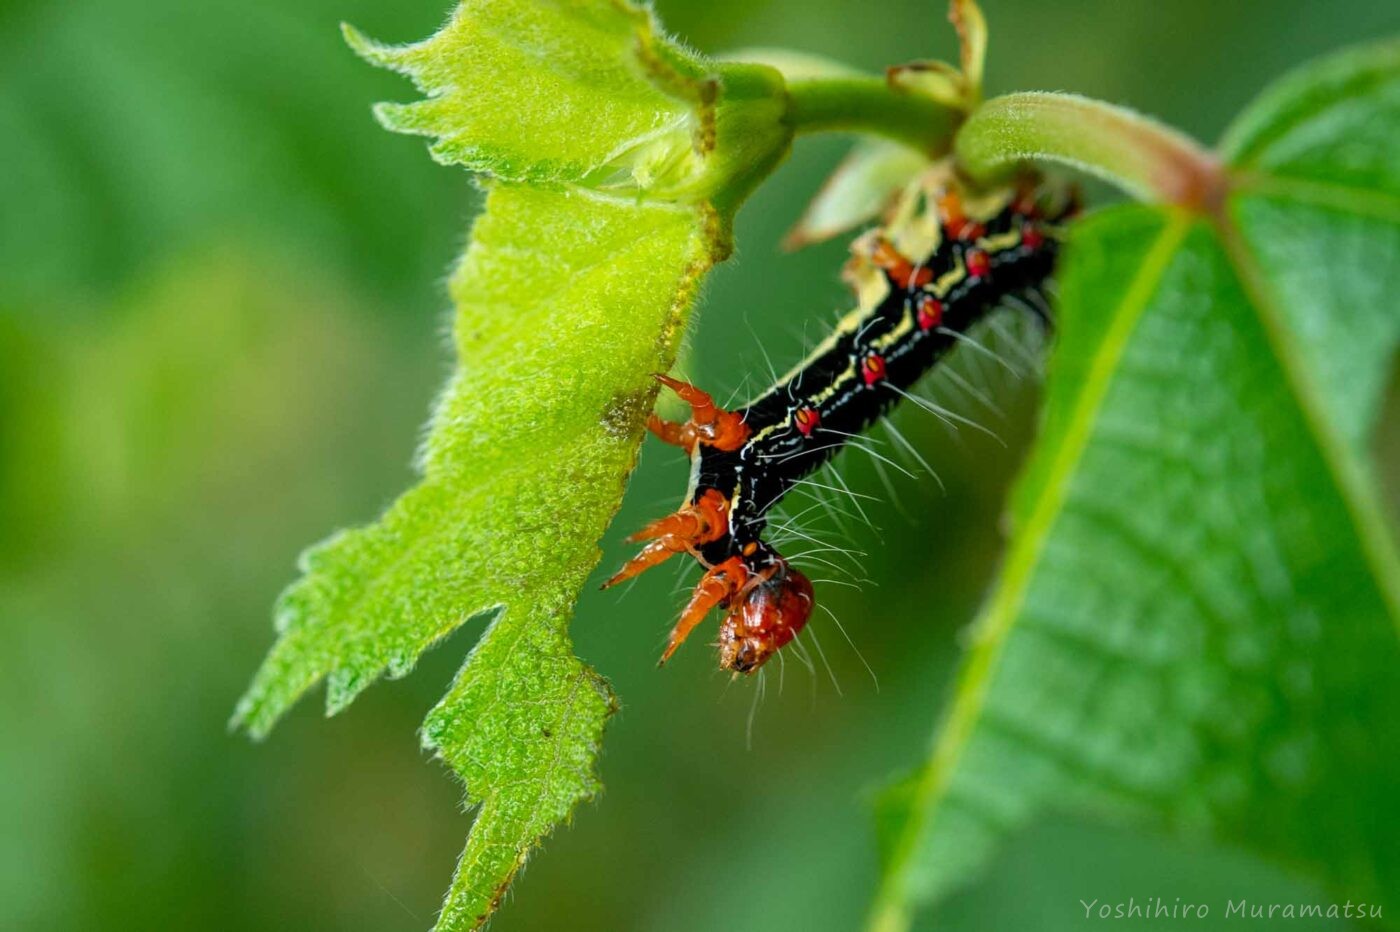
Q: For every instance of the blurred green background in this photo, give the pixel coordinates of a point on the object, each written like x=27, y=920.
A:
x=221, y=327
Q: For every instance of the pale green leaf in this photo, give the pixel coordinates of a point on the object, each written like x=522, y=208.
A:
x=533, y=90
x=1196, y=624
x=590, y=94
x=568, y=299
x=862, y=185
x=523, y=467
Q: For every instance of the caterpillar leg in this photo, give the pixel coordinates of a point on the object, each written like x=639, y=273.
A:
x=709, y=424
x=719, y=584
x=699, y=522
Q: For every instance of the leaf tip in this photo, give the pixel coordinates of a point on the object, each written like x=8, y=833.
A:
x=374, y=52
x=391, y=116
x=249, y=717
x=342, y=686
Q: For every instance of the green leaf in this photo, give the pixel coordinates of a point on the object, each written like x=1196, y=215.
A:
x=588, y=94
x=568, y=299
x=1196, y=625
x=565, y=304
x=544, y=91
x=863, y=184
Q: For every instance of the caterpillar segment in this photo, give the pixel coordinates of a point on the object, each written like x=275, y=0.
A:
x=943, y=260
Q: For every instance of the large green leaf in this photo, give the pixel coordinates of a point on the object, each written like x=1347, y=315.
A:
x=1196, y=623
x=615, y=156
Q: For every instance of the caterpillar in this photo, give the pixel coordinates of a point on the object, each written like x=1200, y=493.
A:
x=944, y=259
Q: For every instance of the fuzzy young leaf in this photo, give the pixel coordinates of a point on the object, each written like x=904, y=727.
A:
x=1196, y=624
x=523, y=468
x=544, y=91
x=588, y=94
x=617, y=160
x=536, y=433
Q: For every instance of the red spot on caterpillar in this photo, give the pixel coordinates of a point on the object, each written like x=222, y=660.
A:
x=930, y=312
x=806, y=420
x=1031, y=238
x=872, y=368
x=978, y=263
x=897, y=266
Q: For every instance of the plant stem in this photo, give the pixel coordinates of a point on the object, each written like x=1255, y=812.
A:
x=1148, y=160
x=868, y=104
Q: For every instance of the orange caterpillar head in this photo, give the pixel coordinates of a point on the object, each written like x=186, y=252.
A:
x=763, y=617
